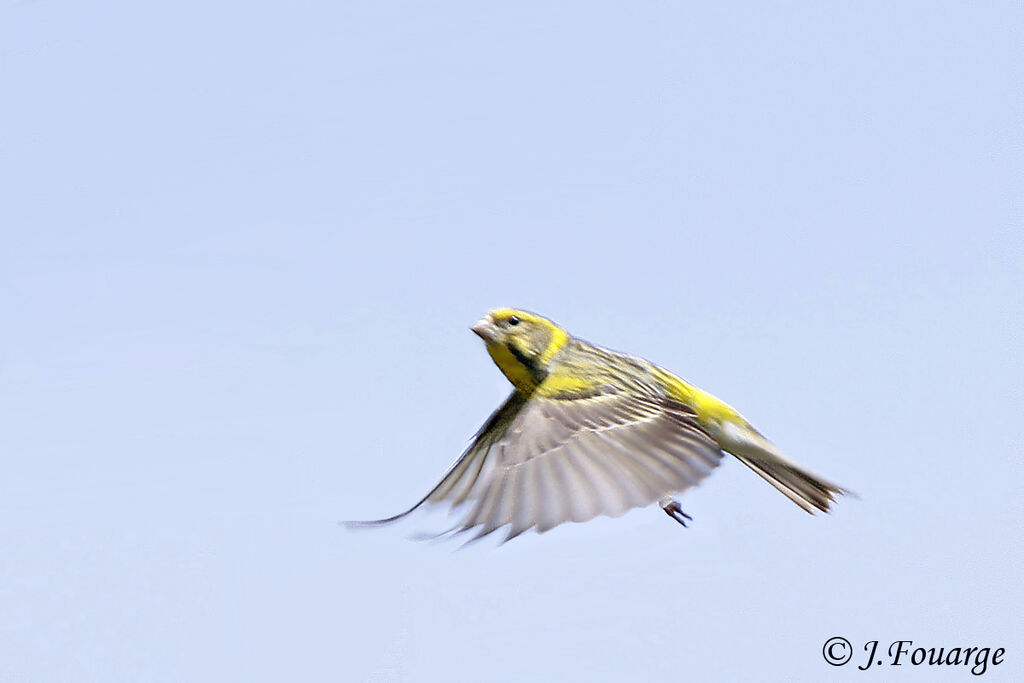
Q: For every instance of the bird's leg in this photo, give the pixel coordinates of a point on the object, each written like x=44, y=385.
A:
x=672, y=509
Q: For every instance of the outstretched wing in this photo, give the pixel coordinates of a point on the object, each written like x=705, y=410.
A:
x=576, y=457
x=558, y=458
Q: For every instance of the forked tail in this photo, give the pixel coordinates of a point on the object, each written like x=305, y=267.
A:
x=804, y=488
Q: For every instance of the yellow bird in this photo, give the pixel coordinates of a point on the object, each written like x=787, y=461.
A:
x=588, y=431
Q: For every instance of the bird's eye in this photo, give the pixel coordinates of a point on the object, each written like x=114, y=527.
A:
x=513, y=320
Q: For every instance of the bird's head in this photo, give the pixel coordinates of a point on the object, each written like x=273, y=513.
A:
x=521, y=344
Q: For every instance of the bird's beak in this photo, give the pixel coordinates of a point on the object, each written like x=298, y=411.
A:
x=484, y=329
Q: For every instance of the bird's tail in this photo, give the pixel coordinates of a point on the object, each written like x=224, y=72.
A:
x=804, y=488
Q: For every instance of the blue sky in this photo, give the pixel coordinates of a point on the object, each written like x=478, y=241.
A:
x=242, y=244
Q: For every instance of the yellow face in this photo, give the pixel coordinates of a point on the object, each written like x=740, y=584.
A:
x=521, y=344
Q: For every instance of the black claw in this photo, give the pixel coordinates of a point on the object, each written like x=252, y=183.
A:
x=674, y=511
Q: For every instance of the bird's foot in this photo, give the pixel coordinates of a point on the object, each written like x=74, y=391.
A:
x=673, y=510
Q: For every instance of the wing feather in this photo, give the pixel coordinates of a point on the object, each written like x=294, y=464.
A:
x=543, y=461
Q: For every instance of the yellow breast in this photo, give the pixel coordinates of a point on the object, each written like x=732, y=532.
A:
x=517, y=373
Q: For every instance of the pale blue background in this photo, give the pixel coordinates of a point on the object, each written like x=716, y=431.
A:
x=242, y=243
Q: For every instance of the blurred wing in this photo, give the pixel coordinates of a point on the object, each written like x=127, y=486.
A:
x=543, y=461
x=572, y=458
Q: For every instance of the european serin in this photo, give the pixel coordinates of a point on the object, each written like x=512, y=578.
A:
x=589, y=432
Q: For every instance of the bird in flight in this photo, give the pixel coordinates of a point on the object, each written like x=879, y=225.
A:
x=587, y=431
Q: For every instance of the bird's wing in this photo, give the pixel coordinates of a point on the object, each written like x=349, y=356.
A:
x=575, y=456
x=555, y=458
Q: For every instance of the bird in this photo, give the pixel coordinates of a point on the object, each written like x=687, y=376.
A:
x=587, y=431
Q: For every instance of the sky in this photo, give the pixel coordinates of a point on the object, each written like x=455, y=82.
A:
x=241, y=245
